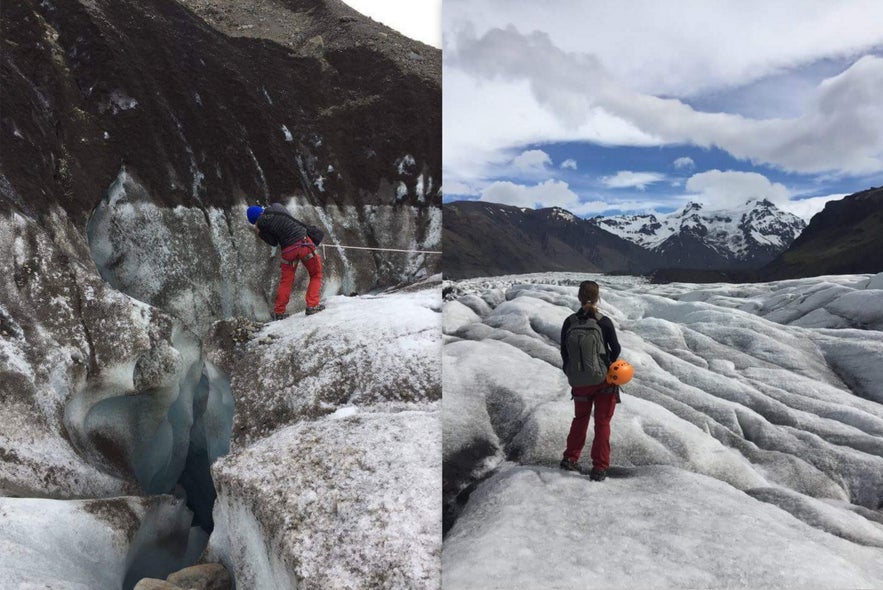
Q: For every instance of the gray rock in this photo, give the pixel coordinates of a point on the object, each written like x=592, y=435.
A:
x=154, y=584
x=206, y=576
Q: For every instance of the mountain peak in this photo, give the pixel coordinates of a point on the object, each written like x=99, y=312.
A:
x=746, y=234
x=761, y=202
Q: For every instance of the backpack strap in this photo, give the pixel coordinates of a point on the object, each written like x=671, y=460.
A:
x=288, y=215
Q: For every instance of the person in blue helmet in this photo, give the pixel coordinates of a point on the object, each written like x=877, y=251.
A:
x=276, y=226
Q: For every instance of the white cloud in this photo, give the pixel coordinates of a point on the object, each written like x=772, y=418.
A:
x=684, y=162
x=550, y=193
x=459, y=188
x=840, y=130
x=532, y=161
x=732, y=188
x=478, y=134
x=806, y=208
x=569, y=163
x=418, y=20
x=629, y=179
x=681, y=53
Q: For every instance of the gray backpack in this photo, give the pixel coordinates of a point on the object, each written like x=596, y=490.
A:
x=586, y=353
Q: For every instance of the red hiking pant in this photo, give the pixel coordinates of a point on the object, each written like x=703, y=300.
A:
x=293, y=254
x=605, y=404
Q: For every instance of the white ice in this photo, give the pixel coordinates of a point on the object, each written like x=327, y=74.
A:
x=337, y=448
x=762, y=399
x=79, y=544
x=654, y=527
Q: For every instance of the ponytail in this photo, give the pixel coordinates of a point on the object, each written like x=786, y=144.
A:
x=588, y=295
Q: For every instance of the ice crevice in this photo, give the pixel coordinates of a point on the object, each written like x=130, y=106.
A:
x=161, y=419
x=161, y=415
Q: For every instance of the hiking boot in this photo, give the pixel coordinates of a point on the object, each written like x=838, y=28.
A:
x=598, y=474
x=278, y=316
x=570, y=465
x=317, y=309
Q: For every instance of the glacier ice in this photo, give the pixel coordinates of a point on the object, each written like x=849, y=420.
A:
x=650, y=527
x=203, y=264
x=87, y=544
x=336, y=448
x=761, y=397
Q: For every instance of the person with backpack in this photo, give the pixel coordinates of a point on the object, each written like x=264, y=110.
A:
x=298, y=242
x=588, y=347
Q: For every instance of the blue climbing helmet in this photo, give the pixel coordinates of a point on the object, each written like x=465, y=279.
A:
x=253, y=213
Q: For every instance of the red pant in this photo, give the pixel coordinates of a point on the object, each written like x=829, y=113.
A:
x=293, y=254
x=605, y=404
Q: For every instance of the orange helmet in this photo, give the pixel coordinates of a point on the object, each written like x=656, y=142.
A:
x=620, y=372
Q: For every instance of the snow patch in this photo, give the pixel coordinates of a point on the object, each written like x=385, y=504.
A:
x=405, y=164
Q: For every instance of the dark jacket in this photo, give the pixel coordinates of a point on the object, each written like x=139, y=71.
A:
x=607, y=331
x=278, y=228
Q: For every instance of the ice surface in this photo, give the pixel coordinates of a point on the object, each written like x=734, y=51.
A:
x=337, y=447
x=322, y=492
x=652, y=527
x=361, y=350
x=83, y=544
x=758, y=392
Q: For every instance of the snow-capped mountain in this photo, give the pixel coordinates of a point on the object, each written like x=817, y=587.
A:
x=697, y=237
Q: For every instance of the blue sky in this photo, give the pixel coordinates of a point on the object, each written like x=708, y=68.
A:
x=605, y=108
x=633, y=179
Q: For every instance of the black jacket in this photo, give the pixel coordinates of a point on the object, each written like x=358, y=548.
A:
x=278, y=228
x=607, y=330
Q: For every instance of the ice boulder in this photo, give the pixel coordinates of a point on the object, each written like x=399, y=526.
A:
x=351, y=502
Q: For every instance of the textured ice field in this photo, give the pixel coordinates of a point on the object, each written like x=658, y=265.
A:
x=761, y=404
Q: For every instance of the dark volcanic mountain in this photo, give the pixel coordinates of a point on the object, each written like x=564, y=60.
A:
x=487, y=239
x=845, y=237
x=700, y=239
x=316, y=101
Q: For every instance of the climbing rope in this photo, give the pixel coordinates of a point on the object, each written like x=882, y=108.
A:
x=378, y=249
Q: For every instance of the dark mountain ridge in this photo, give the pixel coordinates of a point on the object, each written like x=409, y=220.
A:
x=486, y=239
x=846, y=237
x=201, y=117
